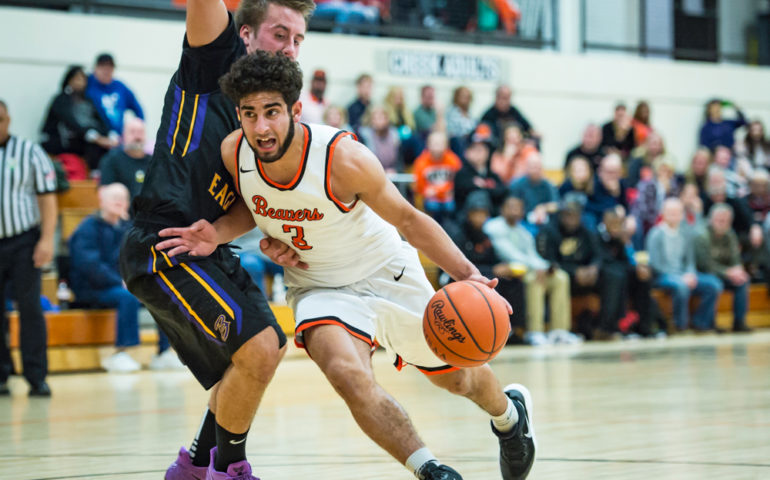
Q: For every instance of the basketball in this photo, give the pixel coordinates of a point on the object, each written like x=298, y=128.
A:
x=466, y=324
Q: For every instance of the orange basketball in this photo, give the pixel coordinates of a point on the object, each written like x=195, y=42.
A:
x=466, y=324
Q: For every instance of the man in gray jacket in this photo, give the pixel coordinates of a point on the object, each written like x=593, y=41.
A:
x=672, y=258
x=717, y=251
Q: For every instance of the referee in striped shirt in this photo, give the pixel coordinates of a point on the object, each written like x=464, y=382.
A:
x=27, y=223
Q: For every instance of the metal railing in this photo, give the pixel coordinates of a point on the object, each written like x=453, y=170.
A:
x=643, y=17
x=538, y=25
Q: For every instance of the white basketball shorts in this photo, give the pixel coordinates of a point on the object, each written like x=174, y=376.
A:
x=384, y=309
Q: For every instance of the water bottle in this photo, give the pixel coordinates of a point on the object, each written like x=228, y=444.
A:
x=63, y=295
x=279, y=290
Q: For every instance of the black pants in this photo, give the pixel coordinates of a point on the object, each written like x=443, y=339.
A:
x=18, y=269
x=513, y=291
x=611, y=286
x=208, y=306
x=619, y=283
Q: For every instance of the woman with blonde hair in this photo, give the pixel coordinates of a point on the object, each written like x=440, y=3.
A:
x=459, y=122
x=398, y=113
x=382, y=138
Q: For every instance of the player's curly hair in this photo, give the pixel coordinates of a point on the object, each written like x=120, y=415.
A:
x=263, y=72
x=252, y=12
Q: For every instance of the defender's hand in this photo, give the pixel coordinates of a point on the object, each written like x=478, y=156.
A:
x=280, y=253
x=199, y=239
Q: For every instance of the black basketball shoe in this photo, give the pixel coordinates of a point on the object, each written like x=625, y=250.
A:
x=517, y=447
x=435, y=471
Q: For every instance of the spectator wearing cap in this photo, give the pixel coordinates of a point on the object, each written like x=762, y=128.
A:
x=717, y=130
x=127, y=165
x=717, y=252
x=459, y=122
x=617, y=134
x=313, y=102
x=590, y=147
x=569, y=245
x=509, y=161
x=672, y=258
x=476, y=175
x=112, y=97
x=503, y=113
x=434, y=172
x=540, y=196
x=514, y=244
x=469, y=235
x=363, y=99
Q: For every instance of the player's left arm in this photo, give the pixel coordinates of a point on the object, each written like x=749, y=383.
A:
x=357, y=173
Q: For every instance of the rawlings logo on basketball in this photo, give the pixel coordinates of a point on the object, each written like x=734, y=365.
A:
x=222, y=325
x=445, y=326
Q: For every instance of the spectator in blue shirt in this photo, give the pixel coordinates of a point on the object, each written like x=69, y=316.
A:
x=540, y=196
x=95, y=278
x=718, y=131
x=609, y=190
x=112, y=97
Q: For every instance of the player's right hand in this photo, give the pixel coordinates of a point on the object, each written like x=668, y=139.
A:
x=199, y=239
x=280, y=253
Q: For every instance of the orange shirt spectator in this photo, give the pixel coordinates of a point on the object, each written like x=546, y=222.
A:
x=509, y=162
x=641, y=123
x=434, y=171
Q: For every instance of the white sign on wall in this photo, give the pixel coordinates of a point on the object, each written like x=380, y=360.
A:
x=410, y=63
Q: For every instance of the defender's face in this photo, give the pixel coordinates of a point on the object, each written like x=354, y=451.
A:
x=268, y=124
x=283, y=30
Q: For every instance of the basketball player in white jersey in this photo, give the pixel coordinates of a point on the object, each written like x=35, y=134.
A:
x=357, y=284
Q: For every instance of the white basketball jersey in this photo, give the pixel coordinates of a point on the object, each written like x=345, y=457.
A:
x=341, y=243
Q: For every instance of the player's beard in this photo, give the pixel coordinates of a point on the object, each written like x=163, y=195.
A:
x=278, y=153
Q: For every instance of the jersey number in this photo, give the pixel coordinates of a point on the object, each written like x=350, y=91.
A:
x=297, y=240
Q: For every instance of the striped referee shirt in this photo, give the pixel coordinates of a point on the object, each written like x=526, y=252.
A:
x=25, y=172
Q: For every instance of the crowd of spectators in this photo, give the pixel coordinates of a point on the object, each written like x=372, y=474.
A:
x=620, y=220
x=365, y=16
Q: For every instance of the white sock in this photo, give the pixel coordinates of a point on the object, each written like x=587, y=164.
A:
x=505, y=422
x=418, y=459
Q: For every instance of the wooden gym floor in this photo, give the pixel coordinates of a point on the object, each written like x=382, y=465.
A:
x=691, y=407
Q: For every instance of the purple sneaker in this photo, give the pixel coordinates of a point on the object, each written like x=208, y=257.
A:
x=235, y=471
x=183, y=469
